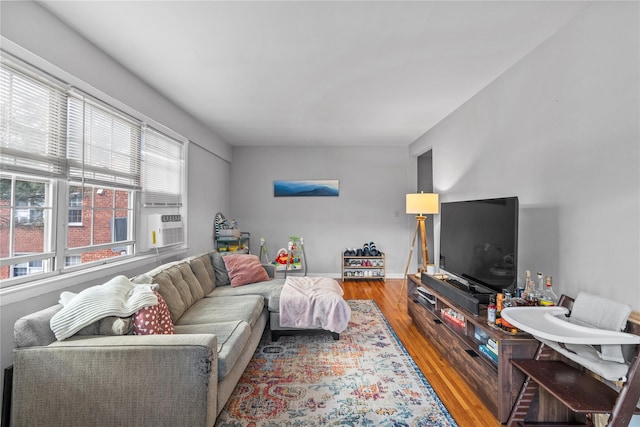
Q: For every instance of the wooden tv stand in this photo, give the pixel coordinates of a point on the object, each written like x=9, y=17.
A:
x=497, y=384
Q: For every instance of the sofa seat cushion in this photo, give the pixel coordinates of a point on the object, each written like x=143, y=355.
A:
x=232, y=338
x=266, y=289
x=274, y=300
x=224, y=309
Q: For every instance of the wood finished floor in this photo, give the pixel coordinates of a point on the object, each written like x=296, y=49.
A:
x=459, y=399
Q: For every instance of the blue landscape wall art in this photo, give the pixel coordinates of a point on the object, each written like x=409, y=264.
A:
x=306, y=188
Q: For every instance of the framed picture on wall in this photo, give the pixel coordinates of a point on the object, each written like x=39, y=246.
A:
x=306, y=188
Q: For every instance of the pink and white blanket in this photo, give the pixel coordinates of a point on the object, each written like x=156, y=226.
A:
x=313, y=303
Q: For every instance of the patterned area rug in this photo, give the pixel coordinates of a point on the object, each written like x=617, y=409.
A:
x=366, y=378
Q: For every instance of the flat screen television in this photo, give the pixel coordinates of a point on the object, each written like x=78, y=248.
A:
x=479, y=242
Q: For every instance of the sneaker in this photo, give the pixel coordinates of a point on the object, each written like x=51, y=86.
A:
x=373, y=249
x=365, y=250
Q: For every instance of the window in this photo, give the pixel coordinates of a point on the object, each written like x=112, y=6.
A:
x=75, y=206
x=29, y=202
x=163, y=166
x=59, y=144
x=72, y=260
x=103, y=145
x=104, y=158
x=24, y=231
x=26, y=268
x=104, y=230
x=32, y=124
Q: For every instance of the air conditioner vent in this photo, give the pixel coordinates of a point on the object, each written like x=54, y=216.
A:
x=165, y=230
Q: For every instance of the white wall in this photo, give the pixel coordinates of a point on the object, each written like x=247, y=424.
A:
x=373, y=182
x=208, y=180
x=560, y=130
x=30, y=30
x=35, y=29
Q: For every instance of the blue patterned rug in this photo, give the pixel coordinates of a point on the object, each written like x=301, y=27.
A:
x=367, y=378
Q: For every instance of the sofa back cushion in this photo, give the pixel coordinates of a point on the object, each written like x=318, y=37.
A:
x=179, y=287
x=203, y=270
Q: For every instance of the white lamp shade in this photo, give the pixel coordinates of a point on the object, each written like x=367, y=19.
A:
x=423, y=203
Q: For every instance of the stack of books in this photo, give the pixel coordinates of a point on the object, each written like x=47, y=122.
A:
x=490, y=349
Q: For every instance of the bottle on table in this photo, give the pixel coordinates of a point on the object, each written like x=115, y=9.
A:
x=540, y=290
x=499, y=303
x=507, y=302
x=491, y=310
x=530, y=296
x=508, y=299
x=548, y=297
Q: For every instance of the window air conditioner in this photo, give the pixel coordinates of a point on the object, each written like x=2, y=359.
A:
x=165, y=230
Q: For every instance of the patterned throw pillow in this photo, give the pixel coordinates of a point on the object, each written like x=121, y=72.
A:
x=153, y=320
x=244, y=269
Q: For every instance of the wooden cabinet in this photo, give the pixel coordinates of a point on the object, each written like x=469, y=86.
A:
x=459, y=335
x=364, y=267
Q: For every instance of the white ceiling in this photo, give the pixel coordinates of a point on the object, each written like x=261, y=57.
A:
x=317, y=73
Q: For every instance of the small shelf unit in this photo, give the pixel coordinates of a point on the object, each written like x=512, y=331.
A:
x=364, y=267
x=240, y=244
x=228, y=238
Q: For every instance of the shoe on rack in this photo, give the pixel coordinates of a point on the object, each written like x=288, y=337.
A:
x=365, y=250
x=372, y=249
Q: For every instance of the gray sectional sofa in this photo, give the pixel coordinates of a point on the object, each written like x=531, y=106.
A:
x=136, y=380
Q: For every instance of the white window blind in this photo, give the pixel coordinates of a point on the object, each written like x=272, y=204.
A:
x=33, y=124
x=163, y=170
x=103, y=145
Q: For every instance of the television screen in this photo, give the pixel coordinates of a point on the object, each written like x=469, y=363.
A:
x=479, y=241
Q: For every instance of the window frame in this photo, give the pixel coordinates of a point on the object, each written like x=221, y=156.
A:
x=20, y=256
x=56, y=253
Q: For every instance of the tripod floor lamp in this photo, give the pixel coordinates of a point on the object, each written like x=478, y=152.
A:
x=421, y=204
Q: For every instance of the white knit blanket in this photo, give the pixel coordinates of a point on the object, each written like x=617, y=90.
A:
x=117, y=297
x=313, y=303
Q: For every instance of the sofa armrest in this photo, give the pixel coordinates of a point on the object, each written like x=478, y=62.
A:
x=270, y=269
x=129, y=380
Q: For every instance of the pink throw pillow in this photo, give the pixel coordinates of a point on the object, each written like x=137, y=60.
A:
x=244, y=269
x=153, y=320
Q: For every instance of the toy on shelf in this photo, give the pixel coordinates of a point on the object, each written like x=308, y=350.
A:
x=227, y=236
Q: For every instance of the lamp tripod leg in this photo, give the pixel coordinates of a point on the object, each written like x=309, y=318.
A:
x=406, y=269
